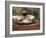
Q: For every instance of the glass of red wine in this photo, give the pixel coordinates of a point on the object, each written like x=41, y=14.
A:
x=24, y=13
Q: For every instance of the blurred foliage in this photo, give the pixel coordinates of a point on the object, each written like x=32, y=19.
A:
x=14, y=13
x=35, y=13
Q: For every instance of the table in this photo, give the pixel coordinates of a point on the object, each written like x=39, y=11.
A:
x=20, y=27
